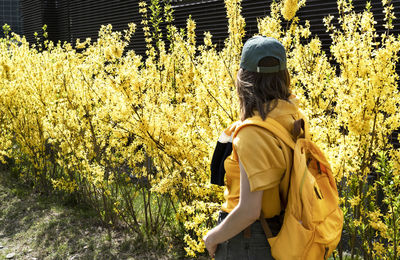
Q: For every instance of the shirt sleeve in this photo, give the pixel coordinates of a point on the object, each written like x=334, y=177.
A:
x=261, y=156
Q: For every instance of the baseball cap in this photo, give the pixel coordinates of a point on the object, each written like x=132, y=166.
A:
x=259, y=47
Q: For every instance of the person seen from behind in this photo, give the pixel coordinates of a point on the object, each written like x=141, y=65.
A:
x=257, y=172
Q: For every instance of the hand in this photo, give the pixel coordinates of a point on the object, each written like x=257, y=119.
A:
x=210, y=246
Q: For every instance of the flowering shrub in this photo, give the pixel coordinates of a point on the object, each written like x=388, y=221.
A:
x=119, y=129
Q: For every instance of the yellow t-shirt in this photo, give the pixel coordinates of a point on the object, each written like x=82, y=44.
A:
x=266, y=159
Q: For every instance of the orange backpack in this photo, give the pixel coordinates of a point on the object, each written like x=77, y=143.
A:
x=313, y=220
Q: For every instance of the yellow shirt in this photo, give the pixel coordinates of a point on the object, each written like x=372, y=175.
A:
x=266, y=159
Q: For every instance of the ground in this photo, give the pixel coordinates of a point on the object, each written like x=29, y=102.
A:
x=35, y=226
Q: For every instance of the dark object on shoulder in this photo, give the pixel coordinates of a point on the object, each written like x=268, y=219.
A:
x=221, y=152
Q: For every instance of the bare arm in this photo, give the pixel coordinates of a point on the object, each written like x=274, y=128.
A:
x=244, y=214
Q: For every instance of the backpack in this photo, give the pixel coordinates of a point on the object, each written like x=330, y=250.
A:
x=313, y=221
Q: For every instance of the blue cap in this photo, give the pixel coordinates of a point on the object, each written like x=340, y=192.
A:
x=259, y=47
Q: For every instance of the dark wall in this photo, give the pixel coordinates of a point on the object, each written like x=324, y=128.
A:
x=86, y=17
x=68, y=20
x=32, y=18
x=10, y=14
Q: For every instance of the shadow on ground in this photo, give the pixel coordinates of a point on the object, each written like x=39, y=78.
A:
x=37, y=227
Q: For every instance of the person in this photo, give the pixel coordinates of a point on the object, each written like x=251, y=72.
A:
x=257, y=172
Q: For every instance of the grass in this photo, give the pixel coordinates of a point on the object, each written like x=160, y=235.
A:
x=44, y=227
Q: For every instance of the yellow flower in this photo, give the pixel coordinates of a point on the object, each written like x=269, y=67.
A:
x=354, y=201
x=6, y=67
x=108, y=54
x=315, y=46
x=80, y=45
x=160, y=115
x=207, y=39
x=116, y=51
x=289, y=9
x=379, y=249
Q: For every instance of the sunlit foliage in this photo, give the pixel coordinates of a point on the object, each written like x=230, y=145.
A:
x=114, y=127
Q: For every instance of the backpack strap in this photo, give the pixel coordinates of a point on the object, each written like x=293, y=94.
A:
x=299, y=129
x=264, y=224
x=271, y=125
x=279, y=131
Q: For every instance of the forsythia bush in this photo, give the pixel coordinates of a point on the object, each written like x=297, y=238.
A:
x=120, y=130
